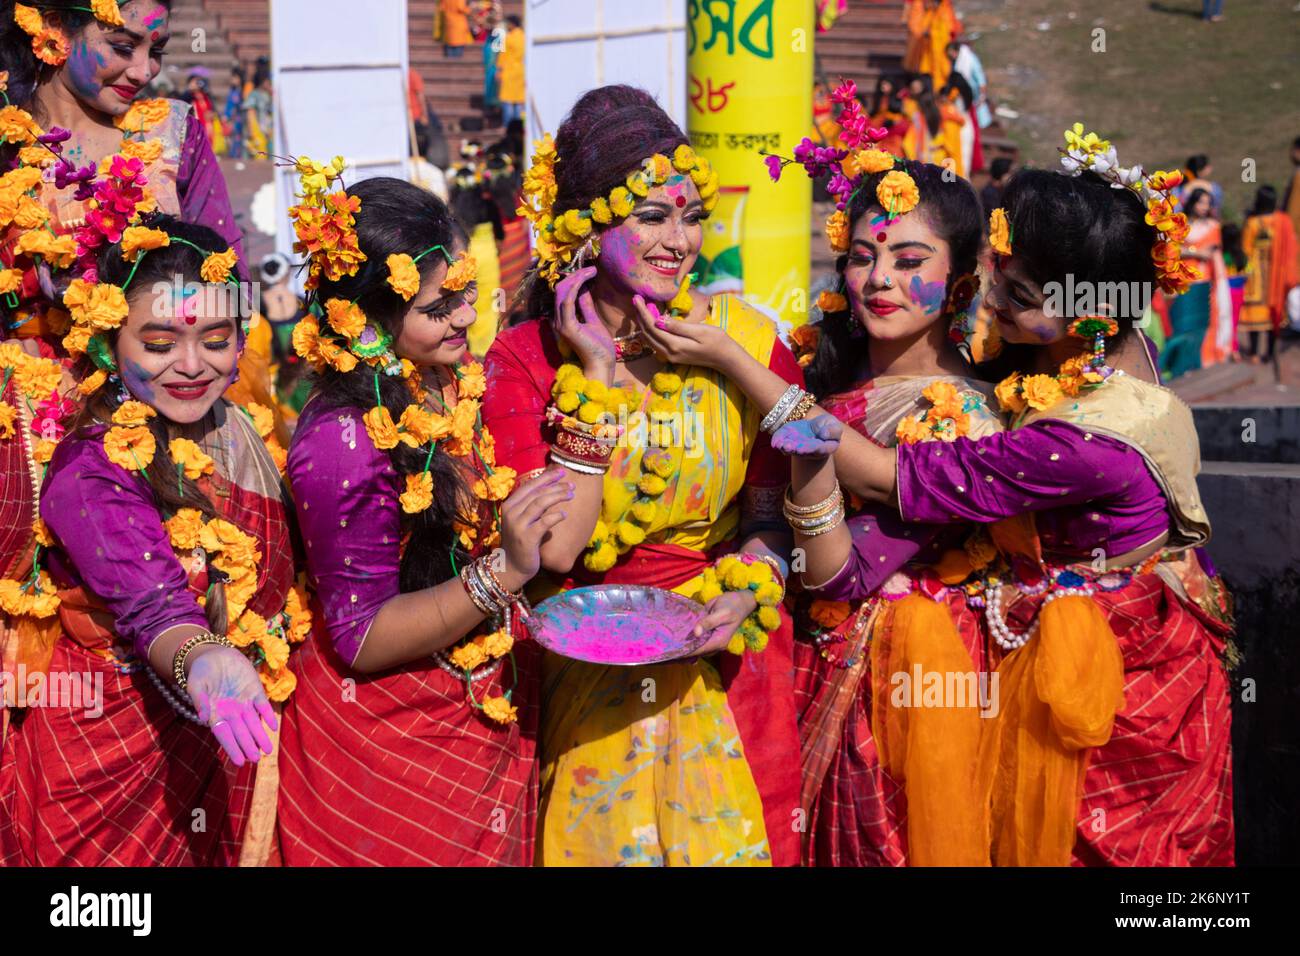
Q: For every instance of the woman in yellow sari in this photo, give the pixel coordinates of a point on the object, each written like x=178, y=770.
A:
x=931, y=24
x=691, y=762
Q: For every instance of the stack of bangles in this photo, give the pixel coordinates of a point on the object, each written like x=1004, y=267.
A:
x=583, y=448
x=793, y=405
x=812, y=520
x=487, y=594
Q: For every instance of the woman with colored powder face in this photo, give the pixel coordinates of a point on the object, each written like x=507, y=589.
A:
x=416, y=681
x=1107, y=627
x=886, y=363
x=628, y=774
x=80, y=86
x=167, y=537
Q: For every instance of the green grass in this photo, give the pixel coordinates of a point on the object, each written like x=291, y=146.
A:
x=1167, y=85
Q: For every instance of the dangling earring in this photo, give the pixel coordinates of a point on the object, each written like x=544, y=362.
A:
x=123, y=396
x=1098, y=328
x=961, y=324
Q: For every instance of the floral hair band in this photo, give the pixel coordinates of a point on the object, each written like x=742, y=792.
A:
x=49, y=43
x=562, y=235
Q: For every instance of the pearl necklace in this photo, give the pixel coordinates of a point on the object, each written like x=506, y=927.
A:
x=481, y=673
x=1008, y=639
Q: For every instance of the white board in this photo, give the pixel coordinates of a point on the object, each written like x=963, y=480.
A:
x=338, y=92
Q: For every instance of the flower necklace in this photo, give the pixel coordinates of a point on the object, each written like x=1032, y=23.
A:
x=228, y=554
x=1017, y=394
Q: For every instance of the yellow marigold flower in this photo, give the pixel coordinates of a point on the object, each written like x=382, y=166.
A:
x=658, y=462
x=462, y=272
x=59, y=251
x=684, y=159
x=874, y=160
x=143, y=115
x=306, y=339
x=278, y=455
x=43, y=451
x=415, y=426
x=345, y=318
x=629, y=534
x=496, y=486
x=191, y=457
x=103, y=309
x=837, y=232
x=29, y=214
x=829, y=614
x=403, y=276
x=1042, y=391
x=897, y=193
x=666, y=383
x=106, y=11
x=37, y=378
x=279, y=685
x=10, y=280
x=472, y=382
x=637, y=185
x=130, y=448
x=468, y=656
x=769, y=618
x=644, y=511
x=604, y=557
x=29, y=19
x=183, y=528
x=621, y=202
x=1007, y=392
x=736, y=577
x=263, y=418
x=147, y=151
x=577, y=225
x=7, y=416
x=41, y=533
x=600, y=211
x=136, y=238
x=240, y=549
x=299, y=615
x=1000, y=232
x=652, y=485
x=276, y=650
x=77, y=339
x=51, y=46
x=702, y=172
x=133, y=413
x=418, y=494
x=248, y=629
x=769, y=594
x=37, y=156
x=216, y=267
x=496, y=644
x=380, y=428
x=500, y=710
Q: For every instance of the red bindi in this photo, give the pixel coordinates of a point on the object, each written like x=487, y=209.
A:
x=681, y=201
x=880, y=237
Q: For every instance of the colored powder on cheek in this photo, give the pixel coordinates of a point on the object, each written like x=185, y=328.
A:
x=82, y=67
x=928, y=295
x=1045, y=333
x=619, y=259
x=137, y=380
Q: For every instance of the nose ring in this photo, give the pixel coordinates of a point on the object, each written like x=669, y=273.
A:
x=889, y=282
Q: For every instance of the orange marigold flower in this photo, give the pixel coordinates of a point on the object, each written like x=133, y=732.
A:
x=137, y=238
x=1000, y=232
x=1007, y=393
x=380, y=427
x=217, y=266
x=461, y=273
x=829, y=614
x=133, y=413
x=51, y=46
x=190, y=457
x=472, y=382
x=500, y=710
x=130, y=448
x=1041, y=392
x=403, y=276
x=897, y=193
x=837, y=231
x=279, y=685
x=345, y=318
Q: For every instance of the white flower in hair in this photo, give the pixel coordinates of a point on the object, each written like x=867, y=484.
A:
x=1075, y=162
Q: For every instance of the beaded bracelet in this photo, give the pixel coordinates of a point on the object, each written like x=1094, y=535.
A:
x=751, y=572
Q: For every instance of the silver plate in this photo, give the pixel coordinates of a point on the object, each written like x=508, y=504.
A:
x=618, y=624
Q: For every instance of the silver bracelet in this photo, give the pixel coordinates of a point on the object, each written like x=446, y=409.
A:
x=579, y=467
x=775, y=418
x=819, y=526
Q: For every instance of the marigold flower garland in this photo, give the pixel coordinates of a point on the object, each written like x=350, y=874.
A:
x=1016, y=394
x=561, y=234
x=947, y=418
x=265, y=641
x=744, y=572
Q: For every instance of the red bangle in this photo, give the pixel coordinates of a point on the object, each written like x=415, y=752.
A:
x=581, y=447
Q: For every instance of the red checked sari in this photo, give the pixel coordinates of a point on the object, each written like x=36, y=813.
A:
x=724, y=738
x=138, y=785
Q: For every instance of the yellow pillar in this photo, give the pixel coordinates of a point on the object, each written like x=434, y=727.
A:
x=750, y=65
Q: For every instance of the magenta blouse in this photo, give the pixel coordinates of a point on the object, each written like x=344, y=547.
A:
x=346, y=496
x=882, y=544
x=124, y=555
x=1087, y=491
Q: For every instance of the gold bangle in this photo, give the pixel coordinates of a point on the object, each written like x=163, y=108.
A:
x=823, y=526
x=820, y=509
x=802, y=409
x=183, y=653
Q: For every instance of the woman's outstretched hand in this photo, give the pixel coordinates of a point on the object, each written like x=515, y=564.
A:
x=577, y=323
x=683, y=343
x=809, y=438
x=722, y=616
x=229, y=698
